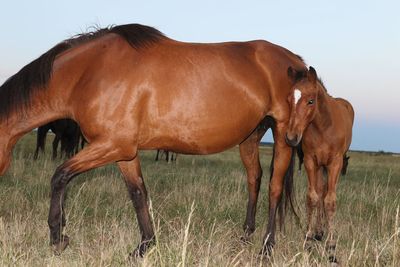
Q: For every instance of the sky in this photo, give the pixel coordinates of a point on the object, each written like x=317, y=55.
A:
x=354, y=45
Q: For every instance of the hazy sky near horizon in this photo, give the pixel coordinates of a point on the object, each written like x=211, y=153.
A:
x=354, y=45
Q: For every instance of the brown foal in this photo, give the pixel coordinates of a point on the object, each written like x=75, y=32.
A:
x=324, y=124
x=130, y=88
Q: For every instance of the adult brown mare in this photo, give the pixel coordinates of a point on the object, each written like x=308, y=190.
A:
x=324, y=124
x=129, y=88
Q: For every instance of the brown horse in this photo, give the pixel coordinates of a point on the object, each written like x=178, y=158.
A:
x=324, y=124
x=131, y=88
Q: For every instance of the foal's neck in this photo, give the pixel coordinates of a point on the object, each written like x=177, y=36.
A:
x=323, y=118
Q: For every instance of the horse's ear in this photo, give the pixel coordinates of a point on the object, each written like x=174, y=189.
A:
x=312, y=75
x=292, y=74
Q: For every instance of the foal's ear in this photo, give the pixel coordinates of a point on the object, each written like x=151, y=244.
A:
x=312, y=75
x=292, y=74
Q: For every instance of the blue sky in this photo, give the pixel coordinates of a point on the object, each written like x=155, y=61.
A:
x=354, y=45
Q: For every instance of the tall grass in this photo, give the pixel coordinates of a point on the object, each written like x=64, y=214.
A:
x=198, y=208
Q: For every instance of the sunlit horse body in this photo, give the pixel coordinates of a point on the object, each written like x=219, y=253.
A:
x=130, y=88
x=324, y=126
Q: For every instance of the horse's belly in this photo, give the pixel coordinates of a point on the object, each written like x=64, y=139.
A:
x=206, y=135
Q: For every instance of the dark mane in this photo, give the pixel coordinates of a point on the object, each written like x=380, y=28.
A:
x=16, y=92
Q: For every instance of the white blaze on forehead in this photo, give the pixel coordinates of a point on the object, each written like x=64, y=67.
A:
x=297, y=96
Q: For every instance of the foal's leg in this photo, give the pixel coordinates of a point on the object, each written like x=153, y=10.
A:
x=330, y=204
x=282, y=156
x=321, y=191
x=92, y=156
x=137, y=191
x=250, y=158
x=313, y=199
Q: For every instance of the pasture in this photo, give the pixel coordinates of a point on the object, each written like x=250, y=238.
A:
x=198, y=206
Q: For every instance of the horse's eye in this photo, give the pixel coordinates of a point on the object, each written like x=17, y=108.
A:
x=310, y=102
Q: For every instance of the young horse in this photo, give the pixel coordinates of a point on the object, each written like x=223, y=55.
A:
x=324, y=124
x=130, y=88
x=66, y=130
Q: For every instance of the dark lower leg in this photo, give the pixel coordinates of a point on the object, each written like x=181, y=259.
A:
x=56, y=219
x=138, y=194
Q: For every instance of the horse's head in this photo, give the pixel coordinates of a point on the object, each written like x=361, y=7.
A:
x=302, y=103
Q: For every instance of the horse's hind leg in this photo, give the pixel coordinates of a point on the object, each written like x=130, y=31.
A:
x=250, y=158
x=138, y=194
x=94, y=155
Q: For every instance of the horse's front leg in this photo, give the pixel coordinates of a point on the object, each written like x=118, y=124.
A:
x=330, y=205
x=138, y=194
x=313, y=198
x=94, y=155
x=282, y=159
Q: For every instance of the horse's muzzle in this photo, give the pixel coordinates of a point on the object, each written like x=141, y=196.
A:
x=294, y=141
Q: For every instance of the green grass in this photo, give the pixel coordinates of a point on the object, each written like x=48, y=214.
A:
x=198, y=206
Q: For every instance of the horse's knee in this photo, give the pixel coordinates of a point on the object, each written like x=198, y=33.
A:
x=313, y=198
x=330, y=202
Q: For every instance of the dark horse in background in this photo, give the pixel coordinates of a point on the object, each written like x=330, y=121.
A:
x=131, y=88
x=67, y=131
x=169, y=156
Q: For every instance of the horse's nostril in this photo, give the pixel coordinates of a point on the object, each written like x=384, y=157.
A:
x=291, y=141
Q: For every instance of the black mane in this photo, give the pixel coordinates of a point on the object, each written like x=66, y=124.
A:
x=16, y=92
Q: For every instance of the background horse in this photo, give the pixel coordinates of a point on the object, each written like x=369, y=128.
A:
x=130, y=88
x=324, y=124
x=169, y=156
x=67, y=131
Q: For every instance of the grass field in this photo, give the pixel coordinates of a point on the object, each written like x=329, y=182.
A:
x=198, y=206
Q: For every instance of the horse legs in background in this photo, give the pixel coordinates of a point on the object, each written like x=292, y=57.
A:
x=138, y=194
x=157, y=155
x=40, y=141
x=55, y=145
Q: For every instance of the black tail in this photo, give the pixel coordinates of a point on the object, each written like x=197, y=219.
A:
x=287, y=194
x=345, y=164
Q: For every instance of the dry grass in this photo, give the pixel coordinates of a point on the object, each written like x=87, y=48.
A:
x=198, y=206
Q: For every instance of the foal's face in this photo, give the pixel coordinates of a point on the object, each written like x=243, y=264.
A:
x=302, y=102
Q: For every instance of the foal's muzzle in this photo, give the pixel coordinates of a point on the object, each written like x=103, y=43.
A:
x=292, y=141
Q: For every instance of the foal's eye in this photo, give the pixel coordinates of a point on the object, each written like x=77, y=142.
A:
x=310, y=102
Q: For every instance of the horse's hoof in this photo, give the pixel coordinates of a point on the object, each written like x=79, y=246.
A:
x=266, y=251
x=318, y=236
x=141, y=249
x=333, y=261
x=59, y=247
x=245, y=240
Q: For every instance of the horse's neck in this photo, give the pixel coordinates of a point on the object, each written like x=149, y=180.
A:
x=323, y=116
x=40, y=111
